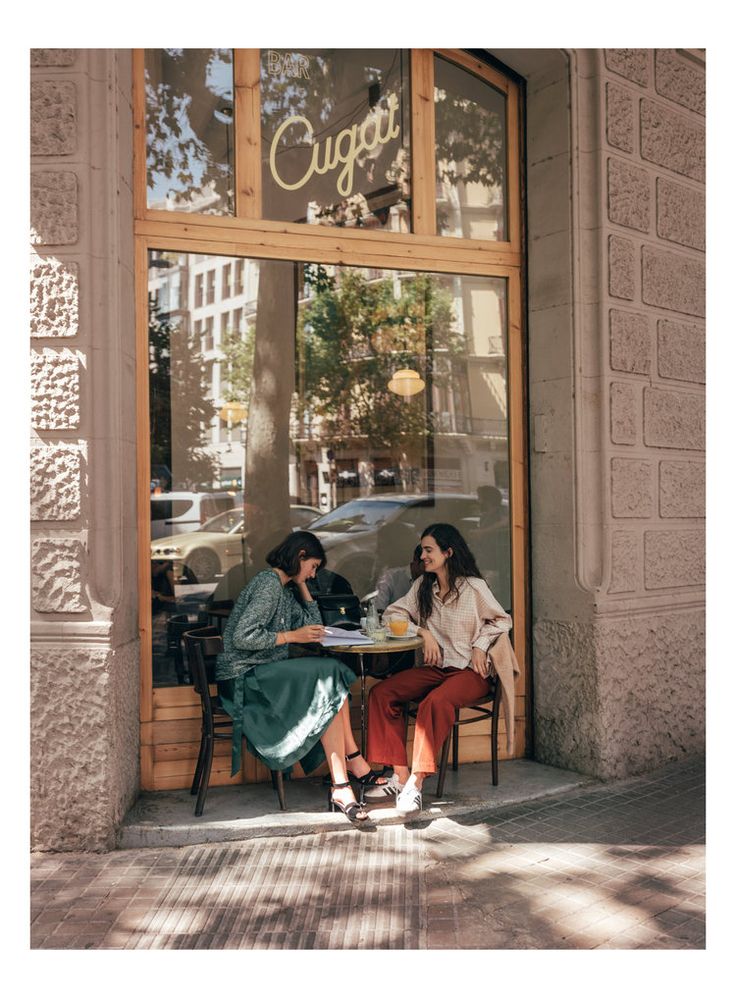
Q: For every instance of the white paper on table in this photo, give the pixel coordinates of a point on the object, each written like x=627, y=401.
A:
x=335, y=636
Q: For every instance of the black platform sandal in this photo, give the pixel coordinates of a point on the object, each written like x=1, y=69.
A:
x=369, y=779
x=353, y=810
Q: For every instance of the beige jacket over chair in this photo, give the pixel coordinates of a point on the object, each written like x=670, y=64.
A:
x=501, y=662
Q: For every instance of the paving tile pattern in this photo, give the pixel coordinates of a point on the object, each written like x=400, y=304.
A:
x=613, y=867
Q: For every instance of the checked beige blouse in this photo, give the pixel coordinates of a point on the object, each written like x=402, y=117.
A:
x=472, y=619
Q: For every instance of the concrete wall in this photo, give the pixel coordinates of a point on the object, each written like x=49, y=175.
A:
x=615, y=158
x=84, y=660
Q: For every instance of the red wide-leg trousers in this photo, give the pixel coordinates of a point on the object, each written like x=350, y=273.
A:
x=441, y=690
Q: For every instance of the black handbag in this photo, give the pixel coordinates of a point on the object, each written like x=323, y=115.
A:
x=339, y=609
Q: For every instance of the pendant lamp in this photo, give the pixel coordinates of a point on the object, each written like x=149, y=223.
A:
x=406, y=383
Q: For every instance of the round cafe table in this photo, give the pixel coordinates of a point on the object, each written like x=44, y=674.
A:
x=376, y=648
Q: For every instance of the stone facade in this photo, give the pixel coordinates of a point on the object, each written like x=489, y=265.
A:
x=655, y=188
x=617, y=575
x=84, y=769
x=615, y=173
x=84, y=658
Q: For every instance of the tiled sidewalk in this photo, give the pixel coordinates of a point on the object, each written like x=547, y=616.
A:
x=618, y=866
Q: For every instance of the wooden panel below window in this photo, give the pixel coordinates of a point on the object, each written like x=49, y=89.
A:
x=170, y=749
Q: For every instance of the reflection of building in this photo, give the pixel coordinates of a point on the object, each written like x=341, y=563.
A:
x=613, y=343
x=208, y=298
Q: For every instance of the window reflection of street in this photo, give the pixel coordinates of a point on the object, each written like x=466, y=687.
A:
x=315, y=434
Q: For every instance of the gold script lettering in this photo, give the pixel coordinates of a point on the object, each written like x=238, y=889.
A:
x=344, y=148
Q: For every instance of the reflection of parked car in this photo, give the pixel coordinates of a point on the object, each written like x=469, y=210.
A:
x=349, y=532
x=217, y=546
x=180, y=512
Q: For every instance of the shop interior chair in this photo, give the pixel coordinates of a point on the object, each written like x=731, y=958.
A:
x=485, y=707
x=203, y=646
x=176, y=627
x=217, y=612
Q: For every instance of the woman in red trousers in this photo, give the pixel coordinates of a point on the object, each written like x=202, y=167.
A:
x=459, y=619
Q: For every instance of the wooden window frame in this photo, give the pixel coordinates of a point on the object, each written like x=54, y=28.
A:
x=246, y=234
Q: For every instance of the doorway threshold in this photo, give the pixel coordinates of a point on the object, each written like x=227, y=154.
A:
x=234, y=813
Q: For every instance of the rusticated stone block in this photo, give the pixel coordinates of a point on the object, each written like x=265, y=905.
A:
x=674, y=558
x=671, y=140
x=679, y=80
x=631, y=488
x=589, y=720
x=84, y=763
x=619, y=118
x=625, y=562
x=672, y=281
x=54, y=208
x=621, y=283
x=682, y=488
x=674, y=419
x=628, y=195
x=53, y=118
x=681, y=351
x=55, y=482
x=631, y=342
x=631, y=63
x=656, y=715
x=54, y=297
x=57, y=566
x=53, y=57
x=566, y=707
x=55, y=390
x=623, y=413
x=680, y=214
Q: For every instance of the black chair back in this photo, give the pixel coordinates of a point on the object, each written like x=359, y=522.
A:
x=203, y=646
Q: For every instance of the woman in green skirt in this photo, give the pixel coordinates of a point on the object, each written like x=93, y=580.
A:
x=289, y=709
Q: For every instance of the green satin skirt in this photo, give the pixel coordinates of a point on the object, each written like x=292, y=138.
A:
x=282, y=709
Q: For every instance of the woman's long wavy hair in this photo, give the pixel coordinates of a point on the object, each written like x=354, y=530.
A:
x=460, y=565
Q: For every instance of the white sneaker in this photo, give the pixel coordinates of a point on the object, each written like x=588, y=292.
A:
x=392, y=788
x=409, y=800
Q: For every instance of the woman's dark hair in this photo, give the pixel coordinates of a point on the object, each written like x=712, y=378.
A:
x=460, y=565
x=293, y=550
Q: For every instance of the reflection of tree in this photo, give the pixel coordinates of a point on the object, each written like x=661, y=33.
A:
x=178, y=394
x=237, y=365
x=266, y=483
x=471, y=141
x=180, y=130
x=354, y=334
x=470, y=134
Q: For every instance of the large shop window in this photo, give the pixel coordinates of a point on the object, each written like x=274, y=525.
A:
x=364, y=403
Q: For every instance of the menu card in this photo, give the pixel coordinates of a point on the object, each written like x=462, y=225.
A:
x=335, y=636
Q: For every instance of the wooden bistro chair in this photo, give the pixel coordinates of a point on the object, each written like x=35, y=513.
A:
x=487, y=706
x=203, y=646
